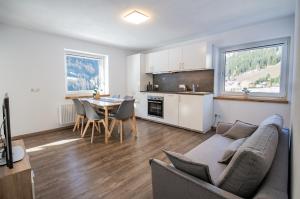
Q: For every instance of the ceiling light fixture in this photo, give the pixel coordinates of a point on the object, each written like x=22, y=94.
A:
x=136, y=17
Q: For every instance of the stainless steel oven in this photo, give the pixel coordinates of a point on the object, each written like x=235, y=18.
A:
x=156, y=106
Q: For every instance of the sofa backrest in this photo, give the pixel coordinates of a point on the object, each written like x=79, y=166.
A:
x=250, y=164
x=275, y=184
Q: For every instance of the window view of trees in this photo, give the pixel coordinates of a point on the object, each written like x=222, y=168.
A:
x=256, y=69
x=83, y=73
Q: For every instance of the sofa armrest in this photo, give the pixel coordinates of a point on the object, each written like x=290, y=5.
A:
x=170, y=183
x=222, y=127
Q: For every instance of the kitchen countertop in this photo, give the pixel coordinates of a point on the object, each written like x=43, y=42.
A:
x=180, y=92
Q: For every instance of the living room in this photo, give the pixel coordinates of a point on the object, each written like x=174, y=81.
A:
x=144, y=99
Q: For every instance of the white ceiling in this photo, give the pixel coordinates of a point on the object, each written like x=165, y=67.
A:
x=171, y=20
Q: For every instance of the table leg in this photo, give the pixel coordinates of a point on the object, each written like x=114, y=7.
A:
x=106, y=122
x=134, y=124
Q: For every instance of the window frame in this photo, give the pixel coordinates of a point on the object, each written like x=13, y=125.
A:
x=103, y=70
x=284, y=70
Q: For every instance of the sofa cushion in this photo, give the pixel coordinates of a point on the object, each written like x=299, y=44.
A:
x=210, y=152
x=250, y=163
x=231, y=150
x=186, y=165
x=240, y=130
x=223, y=127
x=275, y=184
x=275, y=120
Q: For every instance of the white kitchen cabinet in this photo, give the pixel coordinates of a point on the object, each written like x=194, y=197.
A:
x=171, y=109
x=149, y=63
x=195, y=112
x=160, y=61
x=141, y=105
x=175, y=59
x=136, y=78
x=194, y=56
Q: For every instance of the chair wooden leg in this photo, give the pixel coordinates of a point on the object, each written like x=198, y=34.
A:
x=92, y=137
x=76, y=123
x=134, y=125
x=86, y=127
x=112, y=125
x=99, y=127
x=121, y=131
x=82, y=121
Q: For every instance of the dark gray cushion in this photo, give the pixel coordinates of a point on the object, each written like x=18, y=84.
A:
x=240, y=130
x=251, y=162
x=186, y=165
x=223, y=127
x=275, y=120
x=231, y=150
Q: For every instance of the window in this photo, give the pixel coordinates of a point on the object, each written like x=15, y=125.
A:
x=85, y=72
x=259, y=69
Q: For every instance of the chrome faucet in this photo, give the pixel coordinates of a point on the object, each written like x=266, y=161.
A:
x=193, y=87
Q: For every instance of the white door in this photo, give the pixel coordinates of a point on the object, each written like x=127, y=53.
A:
x=190, y=112
x=171, y=109
x=194, y=56
x=133, y=74
x=141, y=105
x=175, y=59
x=160, y=61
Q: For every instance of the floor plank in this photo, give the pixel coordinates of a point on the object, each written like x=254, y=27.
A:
x=67, y=166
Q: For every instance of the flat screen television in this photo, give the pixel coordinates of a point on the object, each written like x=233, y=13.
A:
x=9, y=153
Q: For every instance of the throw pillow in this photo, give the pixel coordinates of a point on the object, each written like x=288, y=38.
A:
x=186, y=165
x=231, y=150
x=240, y=130
x=223, y=127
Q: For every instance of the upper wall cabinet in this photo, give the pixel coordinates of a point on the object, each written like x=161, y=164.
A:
x=157, y=62
x=175, y=59
x=194, y=56
x=161, y=61
x=149, y=62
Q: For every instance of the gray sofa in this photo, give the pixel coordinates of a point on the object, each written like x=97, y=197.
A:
x=171, y=183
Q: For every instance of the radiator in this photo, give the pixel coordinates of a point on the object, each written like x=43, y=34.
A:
x=67, y=113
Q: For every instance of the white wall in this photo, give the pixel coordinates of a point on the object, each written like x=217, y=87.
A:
x=253, y=112
x=30, y=59
x=295, y=116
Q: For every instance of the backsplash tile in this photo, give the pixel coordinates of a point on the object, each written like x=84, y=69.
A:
x=170, y=81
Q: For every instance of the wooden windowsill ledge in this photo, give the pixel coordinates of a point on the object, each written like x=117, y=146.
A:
x=253, y=99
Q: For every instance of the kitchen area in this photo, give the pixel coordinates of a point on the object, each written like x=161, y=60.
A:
x=174, y=86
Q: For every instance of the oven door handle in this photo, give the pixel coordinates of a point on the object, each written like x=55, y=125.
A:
x=157, y=102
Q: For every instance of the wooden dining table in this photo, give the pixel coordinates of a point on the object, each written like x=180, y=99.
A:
x=107, y=104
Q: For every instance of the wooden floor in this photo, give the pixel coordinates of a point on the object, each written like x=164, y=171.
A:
x=66, y=166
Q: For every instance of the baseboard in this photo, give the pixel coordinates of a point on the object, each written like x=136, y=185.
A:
x=18, y=137
x=172, y=125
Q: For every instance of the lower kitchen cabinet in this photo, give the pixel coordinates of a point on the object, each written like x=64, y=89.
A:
x=171, y=109
x=141, y=105
x=195, y=112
